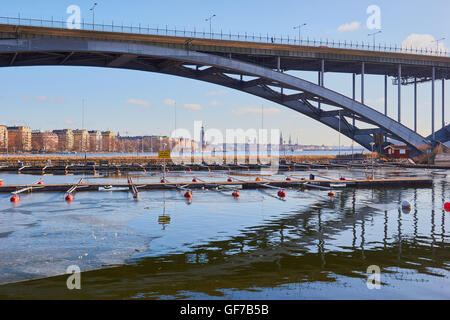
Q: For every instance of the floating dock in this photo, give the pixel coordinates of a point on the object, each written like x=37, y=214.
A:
x=241, y=184
x=76, y=169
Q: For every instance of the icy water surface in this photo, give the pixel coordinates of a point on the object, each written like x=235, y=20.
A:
x=216, y=247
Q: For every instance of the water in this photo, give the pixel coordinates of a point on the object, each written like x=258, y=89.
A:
x=217, y=247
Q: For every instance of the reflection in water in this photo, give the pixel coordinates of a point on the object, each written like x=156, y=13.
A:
x=310, y=244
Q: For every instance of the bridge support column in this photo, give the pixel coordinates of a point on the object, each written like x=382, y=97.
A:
x=353, y=115
x=320, y=76
x=415, y=104
x=362, y=82
x=433, y=78
x=399, y=85
x=443, y=102
x=385, y=100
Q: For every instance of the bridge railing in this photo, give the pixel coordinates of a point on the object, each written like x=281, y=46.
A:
x=251, y=37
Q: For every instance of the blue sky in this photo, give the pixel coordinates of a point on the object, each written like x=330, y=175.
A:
x=135, y=103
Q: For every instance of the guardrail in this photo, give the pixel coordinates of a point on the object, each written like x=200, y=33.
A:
x=251, y=37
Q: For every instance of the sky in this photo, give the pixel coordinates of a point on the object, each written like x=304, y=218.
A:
x=143, y=103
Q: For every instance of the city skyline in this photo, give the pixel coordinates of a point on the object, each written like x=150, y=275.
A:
x=141, y=103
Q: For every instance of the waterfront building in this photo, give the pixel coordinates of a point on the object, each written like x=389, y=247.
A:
x=3, y=138
x=108, y=141
x=95, y=141
x=44, y=141
x=80, y=140
x=397, y=151
x=65, y=139
x=19, y=139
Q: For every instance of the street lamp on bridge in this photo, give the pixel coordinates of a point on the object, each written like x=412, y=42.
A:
x=373, y=35
x=437, y=43
x=209, y=19
x=299, y=27
x=93, y=15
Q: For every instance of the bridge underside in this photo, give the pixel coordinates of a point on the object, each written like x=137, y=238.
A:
x=328, y=107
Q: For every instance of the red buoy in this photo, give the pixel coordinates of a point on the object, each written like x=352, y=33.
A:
x=229, y=180
x=194, y=180
x=66, y=172
x=189, y=169
x=43, y=172
x=258, y=179
x=235, y=194
x=40, y=182
x=342, y=178
x=1, y=182
x=447, y=206
x=14, y=198
x=82, y=181
x=69, y=197
x=162, y=180
x=289, y=169
x=288, y=179
x=188, y=195
x=282, y=194
x=331, y=194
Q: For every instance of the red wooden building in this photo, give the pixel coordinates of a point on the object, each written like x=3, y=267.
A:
x=397, y=152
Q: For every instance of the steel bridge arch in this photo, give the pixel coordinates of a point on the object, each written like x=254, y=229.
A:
x=213, y=69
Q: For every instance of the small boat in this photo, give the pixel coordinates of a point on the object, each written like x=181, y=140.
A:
x=111, y=188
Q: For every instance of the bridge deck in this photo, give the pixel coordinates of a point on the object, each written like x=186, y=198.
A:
x=294, y=57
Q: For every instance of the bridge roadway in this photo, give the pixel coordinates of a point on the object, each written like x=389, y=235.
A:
x=255, y=68
x=292, y=57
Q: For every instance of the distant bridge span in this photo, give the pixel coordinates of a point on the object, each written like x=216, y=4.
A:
x=243, y=66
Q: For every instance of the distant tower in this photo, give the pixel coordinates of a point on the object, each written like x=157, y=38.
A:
x=202, y=138
x=281, y=141
x=290, y=140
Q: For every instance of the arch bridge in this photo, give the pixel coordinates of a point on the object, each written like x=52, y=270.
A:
x=260, y=69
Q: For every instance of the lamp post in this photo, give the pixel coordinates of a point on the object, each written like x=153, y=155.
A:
x=371, y=145
x=93, y=15
x=210, y=29
x=373, y=35
x=299, y=27
x=437, y=43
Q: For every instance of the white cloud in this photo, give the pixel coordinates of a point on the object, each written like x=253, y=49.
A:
x=256, y=110
x=44, y=98
x=378, y=101
x=215, y=93
x=169, y=102
x=193, y=107
x=69, y=122
x=214, y=103
x=422, y=41
x=138, y=102
x=352, y=26
x=40, y=98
